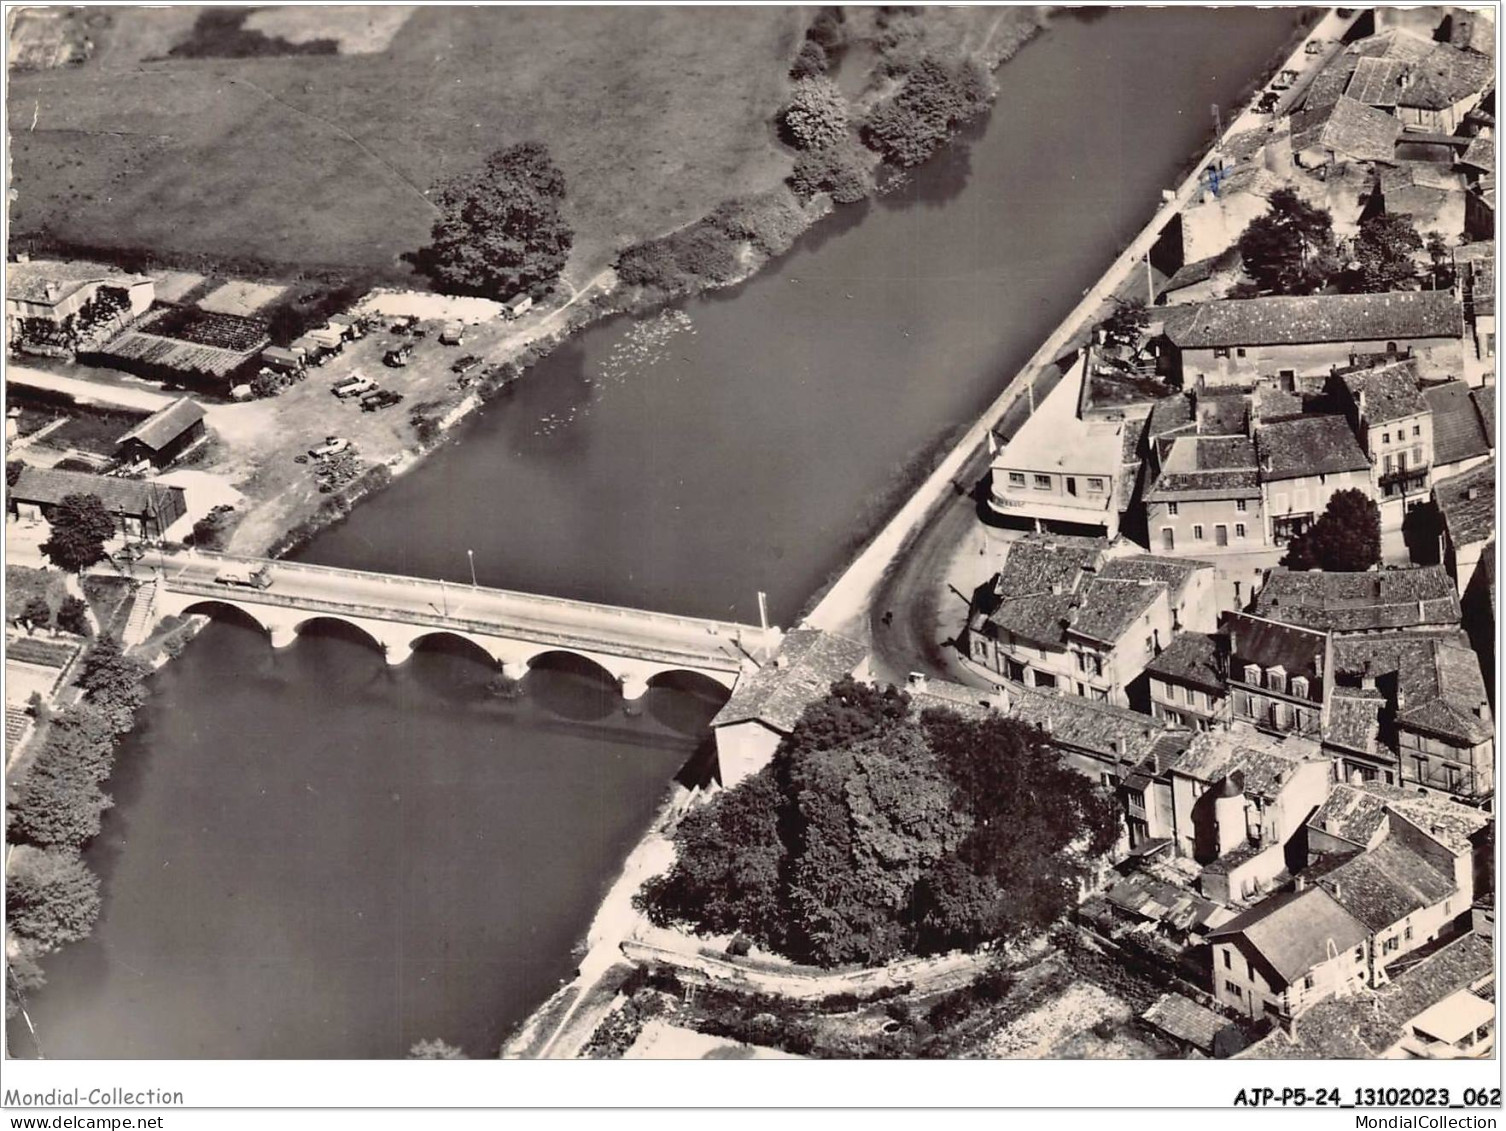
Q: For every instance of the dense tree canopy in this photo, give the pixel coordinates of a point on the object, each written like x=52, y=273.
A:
x=936, y=98
x=876, y=834
x=80, y=528
x=1383, y=253
x=840, y=169
x=816, y=116
x=501, y=230
x=1289, y=250
x=50, y=897
x=1346, y=536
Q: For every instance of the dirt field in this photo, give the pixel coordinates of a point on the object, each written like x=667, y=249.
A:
x=655, y=115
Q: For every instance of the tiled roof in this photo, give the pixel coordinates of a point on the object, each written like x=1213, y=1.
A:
x=1296, y=931
x=1040, y=618
x=1445, y=77
x=1188, y=274
x=49, y=486
x=166, y=425
x=1481, y=154
x=940, y=694
x=1264, y=761
x=1222, y=414
x=1377, y=81
x=1110, y=607
x=1255, y=640
x=1389, y=391
x=1191, y=657
x=1174, y=573
x=1357, y=602
x=28, y=282
x=1273, y=402
x=808, y=663
x=1298, y=319
x=1385, y=884
x=1171, y=414
x=1308, y=445
x=1357, y=812
x=1353, y=130
x=1156, y=899
x=1037, y=563
x=1186, y=1020
x=1207, y=467
x=1438, y=680
x=1087, y=725
x=1463, y=427
x=1318, y=103
x=1353, y=719
x=1468, y=503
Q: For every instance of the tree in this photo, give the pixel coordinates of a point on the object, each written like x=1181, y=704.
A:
x=816, y=115
x=51, y=897
x=13, y=471
x=1346, y=537
x=936, y=97
x=1442, y=257
x=22, y=975
x=1383, y=253
x=839, y=169
x=810, y=61
x=1127, y=322
x=35, y=614
x=73, y=616
x=501, y=229
x=1289, y=250
x=827, y=29
x=80, y=528
x=59, y=811
x=435, y=1050
x=114, y=682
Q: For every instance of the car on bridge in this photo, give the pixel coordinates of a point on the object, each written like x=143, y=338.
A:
x=332, y=446
x=246, y=578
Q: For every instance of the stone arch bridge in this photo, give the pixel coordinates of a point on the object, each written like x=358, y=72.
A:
x=513, y=629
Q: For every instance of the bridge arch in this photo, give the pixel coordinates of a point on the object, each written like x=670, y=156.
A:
x=469, y=644
x=289, y=633
x=223, y=610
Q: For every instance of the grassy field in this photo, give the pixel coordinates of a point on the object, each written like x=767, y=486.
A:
x=655, y=115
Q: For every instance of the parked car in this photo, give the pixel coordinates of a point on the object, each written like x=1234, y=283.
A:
x=245, y=578
x=332, y=446
x=353, y=386
x=465, y=364
x=452, y=334
x=382, y=398
x=397, y=357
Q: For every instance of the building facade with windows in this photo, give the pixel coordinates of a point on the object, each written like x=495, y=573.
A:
x=1278, y=674
x=1394, y=426
x=1187, y=685
x=1205, y=497
x=1304, y=461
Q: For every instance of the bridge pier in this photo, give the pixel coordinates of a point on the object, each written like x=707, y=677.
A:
x=282, y=634
x=633, y=686
x=398, y=653
x=513, y=669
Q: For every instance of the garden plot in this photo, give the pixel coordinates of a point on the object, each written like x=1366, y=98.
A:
x=359, y=30
x=240, y=297
x=1044, y=1032
x=173, y=285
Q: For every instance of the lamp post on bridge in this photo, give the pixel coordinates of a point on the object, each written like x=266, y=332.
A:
x=470, y=556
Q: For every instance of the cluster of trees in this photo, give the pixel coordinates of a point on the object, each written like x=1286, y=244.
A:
x=877, y=833
x=936, y=98
x=212, y=532
x=79, y=528
x=501, y=229
x=709, y=252
x=817, y=122
x=823, y=43
x=1291, y=250
x=1346, y=537
x=72, y=615
x=52, y=898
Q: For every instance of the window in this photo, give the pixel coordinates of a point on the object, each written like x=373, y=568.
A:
x=1239, y=530
x=1359, y=954
x=1043, y=482
x=1171, y=509
x=1221, y=351
x=1240, y=352
x=1187, y=696
x=1417, y=456
x=1095, y=483
x=1250, y=968
x=1390, y=945
x=1017, y=479
x=1385, y=437
x=1234, y=989
x=1299, y=686
x=1407, y=934
x=1390, y=463
x=1307, y=982
x=1417, y=430
x=1197, y=531
x=1241, y=505
x=1252, y=674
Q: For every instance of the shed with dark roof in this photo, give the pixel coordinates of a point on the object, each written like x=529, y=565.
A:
x=140, y=507
x=165, y=435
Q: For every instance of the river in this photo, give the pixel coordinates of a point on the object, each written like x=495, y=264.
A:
x=312, y=855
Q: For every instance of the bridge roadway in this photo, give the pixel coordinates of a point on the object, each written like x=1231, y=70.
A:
x=513, y=628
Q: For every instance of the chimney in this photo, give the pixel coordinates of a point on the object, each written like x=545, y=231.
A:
x=918, y=681
x=1401, y=699
x=53, y=291
x=1046, y=724
x=1301, y=884
x=1482, y=711
x=1367, y=677
x=1422, y=610
x=1117, y=746
x=1471, y=493
x=1338, y=890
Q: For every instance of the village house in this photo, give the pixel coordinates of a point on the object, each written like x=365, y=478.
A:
x=164, y=436
x=45, y=294
x=1345, y=129
x=1060, y=472
x=1187, y=681
x=1098, y=740
x=1416, y=597
x=1205, y=496
x=1062, y=615
x=1240, y=801
x=1427, y=708
x=1299, y=340
x=1278, y=674
x=1422, y=1013
x=1429, y=86
x=1466, y=505
x=767, y=703
x=142, y=509
x=1304, y=461
x=1464, y=426
x=1394, y=425
x=1428, y=194
x=1287, y=953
